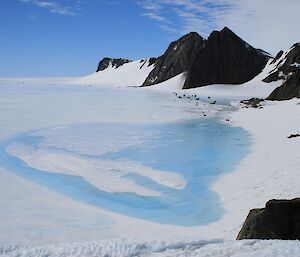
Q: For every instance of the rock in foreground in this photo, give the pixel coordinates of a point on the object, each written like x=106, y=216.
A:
x=280, y=219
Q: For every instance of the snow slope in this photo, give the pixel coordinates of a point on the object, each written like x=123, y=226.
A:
x=130, y=74
x=253, y=88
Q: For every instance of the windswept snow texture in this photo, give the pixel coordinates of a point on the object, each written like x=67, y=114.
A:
x=162, y=248
x=160, y=173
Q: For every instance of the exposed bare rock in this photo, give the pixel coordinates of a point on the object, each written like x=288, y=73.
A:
x=115, y=63
x=225, y=59
x=176, y=59
x=280, y=219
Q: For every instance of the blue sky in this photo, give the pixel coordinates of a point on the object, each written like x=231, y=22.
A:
x=68, y=37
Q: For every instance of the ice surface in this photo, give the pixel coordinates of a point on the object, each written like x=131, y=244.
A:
x=162, y=177
x=28, y=209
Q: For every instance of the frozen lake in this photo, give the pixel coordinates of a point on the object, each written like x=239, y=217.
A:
x=155, y=171
x=135, y=152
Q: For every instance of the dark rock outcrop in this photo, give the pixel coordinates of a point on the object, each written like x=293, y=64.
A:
x=225, y=59
x=288, y=69
x=253, y=102
x=288, y=90
x=176, y=59
x=116, y=63
x=277, y=57
x=152, y=61
x=287, y=66
x=293, y=136
x=280, y=219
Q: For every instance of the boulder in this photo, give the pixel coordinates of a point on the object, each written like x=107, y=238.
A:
x=280, y=219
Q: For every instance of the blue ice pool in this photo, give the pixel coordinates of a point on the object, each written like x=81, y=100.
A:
x=198, y=150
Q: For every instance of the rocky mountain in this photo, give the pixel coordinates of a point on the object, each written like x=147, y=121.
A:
x=288, y=70
x=177, y=58
x=225, y=59
x=116, y=63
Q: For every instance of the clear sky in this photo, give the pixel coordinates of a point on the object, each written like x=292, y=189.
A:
x=69, y=37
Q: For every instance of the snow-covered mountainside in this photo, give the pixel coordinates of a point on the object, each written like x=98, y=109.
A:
x=128, y=74
x=224, y=64
x=287, y=70
x=224, y=58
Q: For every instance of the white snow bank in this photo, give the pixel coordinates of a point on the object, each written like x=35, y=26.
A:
x=157, y=248
x=271, y=169
x=253, y=88
x=130, y=74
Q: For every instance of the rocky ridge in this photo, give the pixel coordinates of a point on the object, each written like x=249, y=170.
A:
x=114, y=62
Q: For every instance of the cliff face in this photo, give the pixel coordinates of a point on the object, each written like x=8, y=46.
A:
x=116, y=63
x=176, y=59
x=225, y=59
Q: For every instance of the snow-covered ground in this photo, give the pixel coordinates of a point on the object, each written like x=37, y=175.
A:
x=29, y=210
x=161, y=248
x=130, y=74
x=270, y=170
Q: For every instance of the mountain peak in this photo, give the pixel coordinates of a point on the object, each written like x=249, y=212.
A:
x=225, y=59
x=227, y=30
x=177, y=58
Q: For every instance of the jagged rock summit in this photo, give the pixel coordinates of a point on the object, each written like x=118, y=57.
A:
x=225, y=59
x=114, y=62
x=177, y=58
